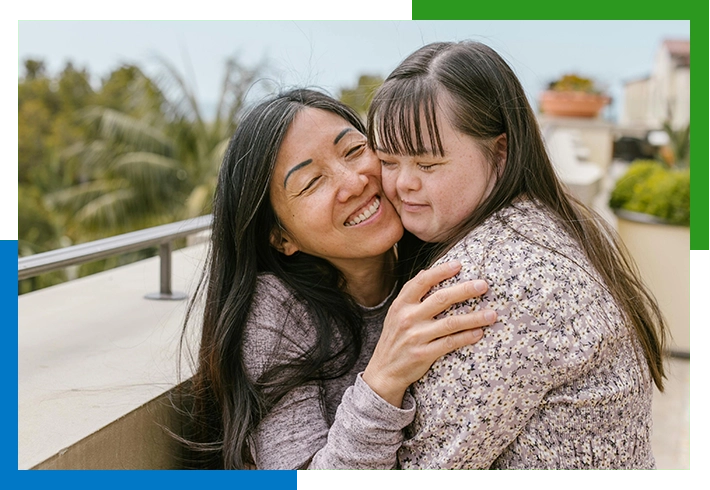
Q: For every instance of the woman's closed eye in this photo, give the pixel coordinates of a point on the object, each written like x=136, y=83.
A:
x=355, y=150
x=309, y=185
x=426, y=167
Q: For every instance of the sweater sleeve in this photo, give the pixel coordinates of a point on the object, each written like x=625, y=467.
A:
x=366, y=432
x=475, y=401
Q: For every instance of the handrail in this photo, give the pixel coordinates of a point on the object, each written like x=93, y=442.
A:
x=163, y=235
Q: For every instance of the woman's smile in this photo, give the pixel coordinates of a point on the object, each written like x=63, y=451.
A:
x=413, y=206
x=365, y=213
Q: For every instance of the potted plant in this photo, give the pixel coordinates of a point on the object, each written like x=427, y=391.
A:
x=652, y=204
x=573, y=96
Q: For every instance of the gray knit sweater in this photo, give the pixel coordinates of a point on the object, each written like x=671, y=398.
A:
x=356, y=429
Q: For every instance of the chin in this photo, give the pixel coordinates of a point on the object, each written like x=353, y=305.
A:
x=394, y=234
x=416, y=231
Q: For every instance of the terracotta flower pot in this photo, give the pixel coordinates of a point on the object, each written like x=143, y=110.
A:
x=572, y=104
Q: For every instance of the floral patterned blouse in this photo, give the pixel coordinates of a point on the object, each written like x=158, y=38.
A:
x=558, y=382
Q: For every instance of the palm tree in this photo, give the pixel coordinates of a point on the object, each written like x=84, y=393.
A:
x=154, y=158
x=677, y=152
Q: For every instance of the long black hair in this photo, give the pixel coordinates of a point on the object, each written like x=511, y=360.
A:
x=225, y=404
x=489, y=101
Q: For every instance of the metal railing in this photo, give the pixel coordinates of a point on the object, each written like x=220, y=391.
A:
x=163, y=236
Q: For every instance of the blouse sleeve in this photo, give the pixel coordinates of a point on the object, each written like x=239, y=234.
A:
x=475, y=401
x=295, y=434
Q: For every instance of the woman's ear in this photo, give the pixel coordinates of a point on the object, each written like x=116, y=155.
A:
x=282, y=242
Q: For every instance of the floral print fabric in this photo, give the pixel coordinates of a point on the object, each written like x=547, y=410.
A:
x=558, y=382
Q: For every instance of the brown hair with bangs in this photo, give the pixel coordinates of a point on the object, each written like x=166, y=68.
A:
x=409, y=106
x=483, y=98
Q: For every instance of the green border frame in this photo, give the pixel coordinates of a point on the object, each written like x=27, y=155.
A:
x=553, y=9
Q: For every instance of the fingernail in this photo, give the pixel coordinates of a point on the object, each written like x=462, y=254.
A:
x=480, y=286
x=454, y=264
x=489, y=316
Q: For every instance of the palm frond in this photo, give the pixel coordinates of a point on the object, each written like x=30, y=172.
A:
x=154, y=175
x=77, y=196
x=106, y=211
x=123, y=128
x=182, y=102
x=217, y=154
x=237, y=82
x=199, y=202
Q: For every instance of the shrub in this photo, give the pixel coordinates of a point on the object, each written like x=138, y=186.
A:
x=574, y=83
x=651, y=188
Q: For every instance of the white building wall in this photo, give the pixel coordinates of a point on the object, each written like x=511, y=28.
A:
x=681, y=106
x=665, y=94
x=635, y=109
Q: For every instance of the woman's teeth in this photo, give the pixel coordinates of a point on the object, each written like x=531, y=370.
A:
x=366, y=214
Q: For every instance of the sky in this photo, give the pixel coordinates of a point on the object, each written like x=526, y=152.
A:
x=333, y=54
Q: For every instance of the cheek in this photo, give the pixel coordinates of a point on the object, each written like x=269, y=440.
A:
x=452, y=200
x=372, y=163
x=389, y=185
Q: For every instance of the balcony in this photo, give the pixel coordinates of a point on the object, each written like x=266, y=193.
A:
x=97, y=362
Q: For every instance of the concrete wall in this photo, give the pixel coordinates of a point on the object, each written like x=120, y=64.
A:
x=140, y=440
x=596, y=134
x=95, y=361
x=662, y=254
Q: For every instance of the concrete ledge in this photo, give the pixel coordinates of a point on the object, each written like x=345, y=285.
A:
x=95, y=360
x=136, y=441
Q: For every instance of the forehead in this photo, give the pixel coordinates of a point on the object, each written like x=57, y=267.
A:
x=313, y=133
x=311, y=124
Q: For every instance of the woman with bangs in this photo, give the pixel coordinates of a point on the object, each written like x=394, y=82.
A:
x=308, y=338
x=564, y=378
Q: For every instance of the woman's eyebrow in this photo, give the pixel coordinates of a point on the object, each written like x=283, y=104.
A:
x=341, y=134
x=297, y=167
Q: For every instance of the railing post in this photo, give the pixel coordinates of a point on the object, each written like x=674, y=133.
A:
x=166, y=257
x=163, y=235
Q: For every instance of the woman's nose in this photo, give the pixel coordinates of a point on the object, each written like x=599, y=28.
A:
x=353, y=183
x=406, y=180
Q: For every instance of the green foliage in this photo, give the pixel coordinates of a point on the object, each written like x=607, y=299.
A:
x=652, y=188
x=48, y=123
x=128, y=153
x=154, y=155
x=637, y=173
x=132, y=153
x=679, y=145
x=360, y=96
x=574, y=83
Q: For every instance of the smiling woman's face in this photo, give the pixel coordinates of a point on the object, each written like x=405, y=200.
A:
x=327, y=193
